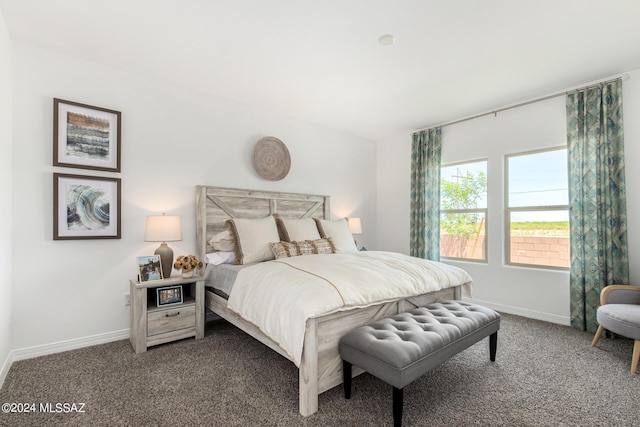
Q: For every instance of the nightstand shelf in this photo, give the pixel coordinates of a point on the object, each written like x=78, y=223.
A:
x=152, y=324
x=151, y=305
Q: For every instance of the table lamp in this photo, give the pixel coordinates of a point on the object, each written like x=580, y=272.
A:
x=355, y=226
x=163, y=228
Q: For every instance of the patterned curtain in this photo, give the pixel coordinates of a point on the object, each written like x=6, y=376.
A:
x=597, y=198
x=426, y=151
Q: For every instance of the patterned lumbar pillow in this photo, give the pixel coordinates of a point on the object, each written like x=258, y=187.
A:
x=304, y=247
x=284, y=249
x=323, y=246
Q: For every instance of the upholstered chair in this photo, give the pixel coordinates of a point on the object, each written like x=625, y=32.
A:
x=619, y=312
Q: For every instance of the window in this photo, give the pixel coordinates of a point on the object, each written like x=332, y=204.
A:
x=463, y=211
x=537, y=215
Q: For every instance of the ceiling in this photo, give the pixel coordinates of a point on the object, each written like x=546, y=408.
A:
x=320, y=61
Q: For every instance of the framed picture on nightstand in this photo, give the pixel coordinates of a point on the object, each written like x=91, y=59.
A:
x=169, y=295
x=150, y=268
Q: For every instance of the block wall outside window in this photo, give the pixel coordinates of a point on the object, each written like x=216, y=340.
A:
x=551, y=251
x=473, y=249
x=537, y=214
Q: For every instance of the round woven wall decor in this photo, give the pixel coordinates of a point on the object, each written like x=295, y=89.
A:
x=271, y=158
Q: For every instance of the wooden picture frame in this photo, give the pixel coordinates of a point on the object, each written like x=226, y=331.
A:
x=149, y=268
x=169, y=295
x=85, y=136
x=86, y=207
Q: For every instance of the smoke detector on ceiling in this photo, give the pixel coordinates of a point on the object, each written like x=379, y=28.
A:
x=386, y=39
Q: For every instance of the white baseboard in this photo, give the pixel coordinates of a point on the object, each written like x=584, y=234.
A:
x=519, y=311
x=58, y=347
x=5, y=368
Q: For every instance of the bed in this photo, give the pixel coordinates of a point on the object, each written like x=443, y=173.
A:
x=318, y=361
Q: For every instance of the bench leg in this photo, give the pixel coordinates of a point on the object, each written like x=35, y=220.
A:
x=346, y=378
x=493, y=345
x=397, y=406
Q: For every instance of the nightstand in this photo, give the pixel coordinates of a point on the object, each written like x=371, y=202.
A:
x=152, y=324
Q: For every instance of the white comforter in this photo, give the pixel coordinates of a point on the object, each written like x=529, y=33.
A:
x=279, y=296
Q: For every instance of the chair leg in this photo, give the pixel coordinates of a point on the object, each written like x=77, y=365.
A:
x=636, y=357
x=597, y=337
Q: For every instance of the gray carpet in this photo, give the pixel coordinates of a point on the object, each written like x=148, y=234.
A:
x=544, y=375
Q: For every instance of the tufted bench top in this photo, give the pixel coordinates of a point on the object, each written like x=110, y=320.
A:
x=402, y=348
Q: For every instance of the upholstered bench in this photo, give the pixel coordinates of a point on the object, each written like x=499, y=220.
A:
x=402, y=348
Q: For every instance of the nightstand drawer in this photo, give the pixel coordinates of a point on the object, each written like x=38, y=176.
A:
x=171, y=319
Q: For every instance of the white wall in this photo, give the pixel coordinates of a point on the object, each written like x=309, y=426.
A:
x=5, y=190
x=173, y=139
x=542, y=294
x=631, y=94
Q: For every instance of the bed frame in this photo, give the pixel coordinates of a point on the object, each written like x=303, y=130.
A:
x=320, y=367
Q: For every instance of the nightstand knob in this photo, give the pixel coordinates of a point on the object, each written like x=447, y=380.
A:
x=177, y=313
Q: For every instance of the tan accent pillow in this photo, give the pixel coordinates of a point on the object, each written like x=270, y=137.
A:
x=252, y=237
x=284, y=249
x=322, y=246
x=278, y=250
x=291, y=248
x=304, y=247
x=296, y=230
x=339, y=233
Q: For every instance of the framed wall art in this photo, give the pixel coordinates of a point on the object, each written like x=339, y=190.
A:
x=85, y=207
x=85, y=136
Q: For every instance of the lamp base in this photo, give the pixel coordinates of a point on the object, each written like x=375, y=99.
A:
x=166, y=259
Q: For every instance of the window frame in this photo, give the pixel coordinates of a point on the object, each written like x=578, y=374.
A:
x=509, y=210
x=484, y=211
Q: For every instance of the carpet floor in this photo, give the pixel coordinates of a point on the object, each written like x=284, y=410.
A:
x=544, y=375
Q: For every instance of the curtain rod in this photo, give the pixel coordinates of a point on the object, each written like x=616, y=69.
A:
x=522, y=104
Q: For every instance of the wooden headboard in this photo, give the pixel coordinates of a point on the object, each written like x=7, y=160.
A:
x=215, y=205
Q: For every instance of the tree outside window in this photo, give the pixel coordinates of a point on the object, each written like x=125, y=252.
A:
x=463, y=211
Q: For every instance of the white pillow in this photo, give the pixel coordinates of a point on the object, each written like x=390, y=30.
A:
x=223, y=241
x=217, y=258
x=252, y=237
x=295, y=230
x=339, y=233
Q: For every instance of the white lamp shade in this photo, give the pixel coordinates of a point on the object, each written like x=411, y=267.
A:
x=355, y=225
x=163, y=228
